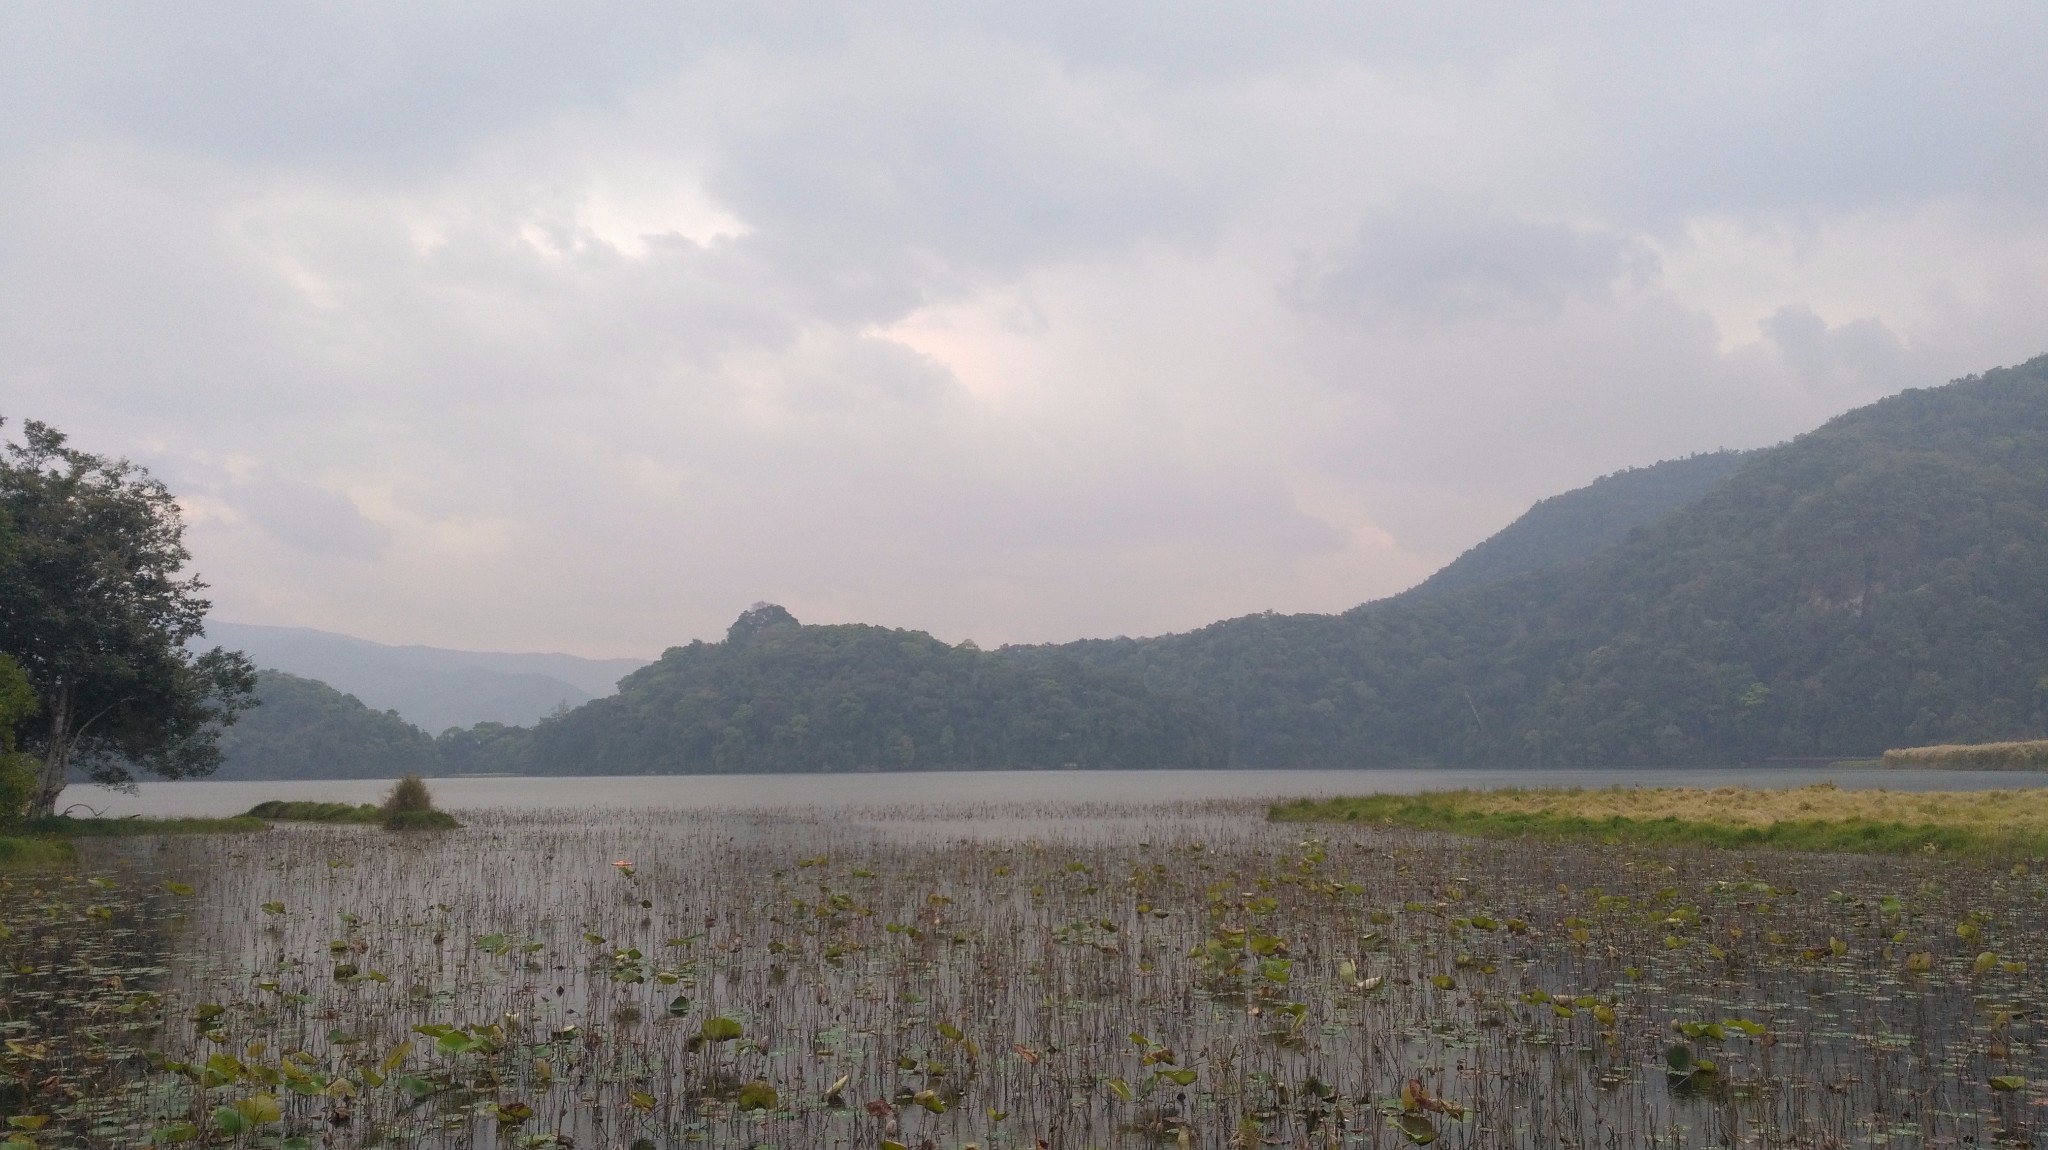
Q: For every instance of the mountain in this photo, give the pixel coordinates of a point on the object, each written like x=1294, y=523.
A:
x=303, y=729
x=1579, y=523
x=432, y=687
x=779, y=696
x=1881, y=581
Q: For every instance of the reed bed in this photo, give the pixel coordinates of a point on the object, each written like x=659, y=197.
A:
x=1011, y=976
x=2027, y=756
x=1818, y=817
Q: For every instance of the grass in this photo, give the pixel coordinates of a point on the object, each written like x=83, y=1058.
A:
x=408, y=808
x=24, y=852
x=2031, y=756
x=1816, y=818
x=304, y=812
x=64, y=826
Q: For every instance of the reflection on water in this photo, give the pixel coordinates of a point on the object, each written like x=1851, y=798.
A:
x=903, y=790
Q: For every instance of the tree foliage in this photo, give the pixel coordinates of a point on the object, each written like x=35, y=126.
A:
x=305, y=729
x=17, y=770
x=95, y=607
x=779, y=696
x=1881, y=581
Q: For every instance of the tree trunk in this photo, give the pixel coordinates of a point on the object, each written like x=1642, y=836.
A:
x=57, y=762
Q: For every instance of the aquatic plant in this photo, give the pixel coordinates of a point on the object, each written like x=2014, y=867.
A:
x=1094, y=976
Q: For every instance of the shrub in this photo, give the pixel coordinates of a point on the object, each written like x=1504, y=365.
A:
x=408, y=794
x=410, y=808
x=18, y=779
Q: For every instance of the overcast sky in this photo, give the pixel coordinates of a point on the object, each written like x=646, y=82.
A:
x=582, y=327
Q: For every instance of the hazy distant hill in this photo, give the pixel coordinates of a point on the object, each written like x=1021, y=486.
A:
x=1579, y=523
x=779, y=696
x=302, y=729
x=1881, y=581
x=430, y=686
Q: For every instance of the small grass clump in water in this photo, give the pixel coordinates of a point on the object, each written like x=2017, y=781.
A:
x=1822, y=817
x=410, y=807
x=308, y=812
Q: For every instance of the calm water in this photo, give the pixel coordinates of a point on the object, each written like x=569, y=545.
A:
x=708, y=792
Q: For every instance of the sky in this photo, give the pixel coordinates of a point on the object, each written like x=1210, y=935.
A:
x=533, y=326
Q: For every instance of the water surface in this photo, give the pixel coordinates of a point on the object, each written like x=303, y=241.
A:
x=968, y=788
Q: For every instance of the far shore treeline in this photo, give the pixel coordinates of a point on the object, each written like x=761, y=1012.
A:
x=1880, y=582
x=1877, y=583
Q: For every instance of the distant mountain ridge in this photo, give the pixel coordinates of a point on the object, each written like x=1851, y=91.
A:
x=431, y=687
x=1880, y=581
x=1584, y=521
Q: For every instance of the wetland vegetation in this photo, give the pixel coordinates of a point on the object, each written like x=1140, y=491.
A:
x=2023, y=756
x=1822, y=817
x=1016, y=976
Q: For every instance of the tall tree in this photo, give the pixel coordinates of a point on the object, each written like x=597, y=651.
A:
x=95, y=608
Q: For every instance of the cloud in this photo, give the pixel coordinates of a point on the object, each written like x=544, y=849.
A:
x=499, y=326
x=1445, y=260
x=312, y=519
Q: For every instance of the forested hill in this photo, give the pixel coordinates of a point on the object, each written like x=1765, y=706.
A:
x=305, y=729
x=779, y=696
x=1881, y=581
x=1581, y=522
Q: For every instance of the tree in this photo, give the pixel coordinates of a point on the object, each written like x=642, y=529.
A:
x=17, y=771
x=95, y=610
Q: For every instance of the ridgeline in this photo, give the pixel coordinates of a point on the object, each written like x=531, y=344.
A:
x=1881, y=581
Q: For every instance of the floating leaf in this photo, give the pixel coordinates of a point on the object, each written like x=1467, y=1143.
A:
x=2008, y=1082
x=757, y=1095
x=640, y=1100
x=259, y=1109
x=1419, y=1129
x=679, y=1005
x=179, y=888
x=719, y=1028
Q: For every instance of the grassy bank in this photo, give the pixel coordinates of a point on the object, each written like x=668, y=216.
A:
x=2031, y=756
x=64, y=826
x=26, y=851
x=47, y=842
x=281, y=811
x=1815, y=818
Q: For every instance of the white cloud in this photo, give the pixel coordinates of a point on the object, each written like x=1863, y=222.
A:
x=490, y=326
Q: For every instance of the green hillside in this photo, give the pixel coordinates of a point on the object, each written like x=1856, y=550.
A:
x=1579, y=523
x=1881, y=581
x=305, y=729
x=779, y=696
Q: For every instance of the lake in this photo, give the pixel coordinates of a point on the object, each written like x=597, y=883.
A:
x=961, y=788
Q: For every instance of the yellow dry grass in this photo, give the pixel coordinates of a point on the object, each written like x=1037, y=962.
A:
x=2030, y=756
x=2004, y=810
